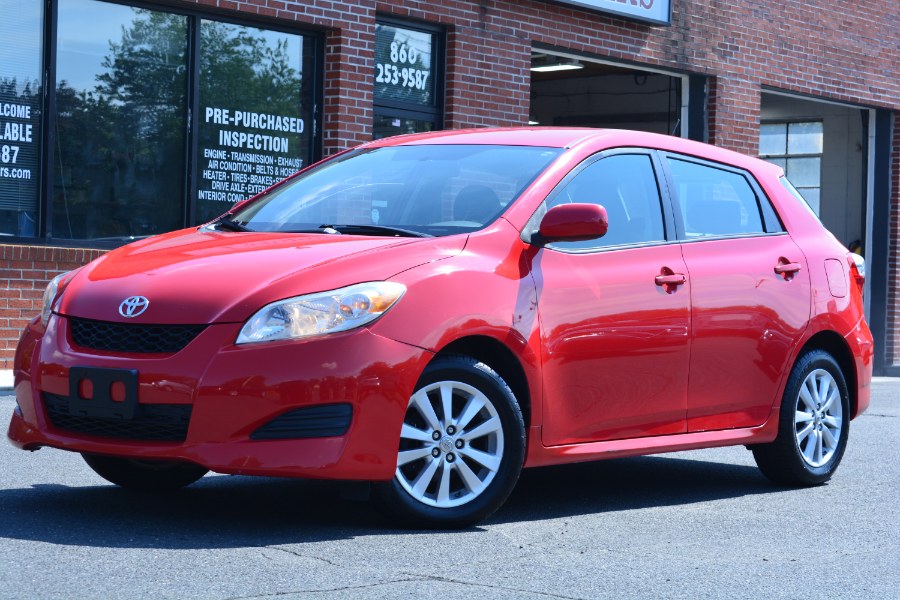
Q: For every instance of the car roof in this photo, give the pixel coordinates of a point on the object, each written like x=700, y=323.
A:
x=570, y=137
x=552, y=137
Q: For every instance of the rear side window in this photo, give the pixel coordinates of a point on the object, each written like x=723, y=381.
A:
x=624, y=184
x=714, y=201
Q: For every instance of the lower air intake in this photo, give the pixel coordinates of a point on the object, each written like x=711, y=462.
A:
x=152, y=422
x=326, y=420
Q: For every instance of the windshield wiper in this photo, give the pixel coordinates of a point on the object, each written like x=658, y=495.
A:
x=374, y=230
x=230, y=225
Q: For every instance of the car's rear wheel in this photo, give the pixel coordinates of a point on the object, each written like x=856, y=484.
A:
x=814, y=424
x=461, y=447
x=144, y=475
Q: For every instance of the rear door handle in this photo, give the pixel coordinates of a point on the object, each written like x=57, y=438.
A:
x=673, y=279
x=786, y=268
x=781, y=269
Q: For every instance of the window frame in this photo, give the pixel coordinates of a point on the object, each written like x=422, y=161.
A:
x=48, y=152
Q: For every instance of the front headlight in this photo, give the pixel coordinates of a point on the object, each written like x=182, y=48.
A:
x=49, y=298
x=324, y=312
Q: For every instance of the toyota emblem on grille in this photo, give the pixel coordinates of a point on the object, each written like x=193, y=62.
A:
x=133, y=306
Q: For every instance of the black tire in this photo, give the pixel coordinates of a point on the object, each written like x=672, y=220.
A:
x=456, y=503
x=795, y=460
x=144, y=475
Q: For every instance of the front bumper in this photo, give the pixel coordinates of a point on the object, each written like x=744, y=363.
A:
x=233, y=391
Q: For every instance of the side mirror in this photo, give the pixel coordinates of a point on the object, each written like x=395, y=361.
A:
x=573, y=223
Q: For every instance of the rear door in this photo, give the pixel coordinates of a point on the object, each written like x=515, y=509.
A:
x=750, y=293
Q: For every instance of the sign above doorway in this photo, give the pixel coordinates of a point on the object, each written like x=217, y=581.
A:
x=658, y=12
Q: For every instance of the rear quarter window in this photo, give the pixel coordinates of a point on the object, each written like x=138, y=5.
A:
x=796, y=194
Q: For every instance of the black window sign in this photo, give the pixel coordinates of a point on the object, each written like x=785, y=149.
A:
x=403, y=65
x=19, y=152
x=20, y=132
x=254, y=110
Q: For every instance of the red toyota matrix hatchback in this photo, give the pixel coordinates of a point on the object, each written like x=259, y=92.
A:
x=434, y=312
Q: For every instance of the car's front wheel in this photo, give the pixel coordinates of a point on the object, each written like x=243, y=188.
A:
x=461, y=447
x=144, y=475
x=814, y=424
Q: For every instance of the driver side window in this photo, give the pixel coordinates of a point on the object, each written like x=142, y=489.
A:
x=624, y=184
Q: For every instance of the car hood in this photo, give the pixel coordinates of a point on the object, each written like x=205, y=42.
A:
x=201, y=276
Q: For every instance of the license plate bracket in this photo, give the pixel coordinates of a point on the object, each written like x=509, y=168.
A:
x=101, y=403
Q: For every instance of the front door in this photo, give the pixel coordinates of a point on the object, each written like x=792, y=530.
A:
x=614, y=313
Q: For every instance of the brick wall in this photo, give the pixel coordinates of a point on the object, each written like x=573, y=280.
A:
x=24, y=273
x=834, y=49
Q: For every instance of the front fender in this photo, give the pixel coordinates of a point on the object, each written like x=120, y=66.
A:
x=485, y=291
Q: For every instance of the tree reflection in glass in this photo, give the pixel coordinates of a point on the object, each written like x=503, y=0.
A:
x=122, y=115
x=248, y=71
x=121, y=121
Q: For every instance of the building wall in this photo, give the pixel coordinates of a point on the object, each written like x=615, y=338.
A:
x=831, y=49
x=24, y=273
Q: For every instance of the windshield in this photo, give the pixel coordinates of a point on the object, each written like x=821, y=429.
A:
x=425, y=190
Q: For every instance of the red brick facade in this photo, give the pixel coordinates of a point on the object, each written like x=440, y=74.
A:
x=833, y=49
x=24, y=273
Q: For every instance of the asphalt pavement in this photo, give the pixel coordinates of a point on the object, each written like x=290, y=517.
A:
x=701, y=524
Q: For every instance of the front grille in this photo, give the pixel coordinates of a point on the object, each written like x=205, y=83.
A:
x=326, y=420
x=128, y=337
x=152, y=422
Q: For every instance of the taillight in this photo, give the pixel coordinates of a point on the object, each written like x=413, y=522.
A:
x=857, y=270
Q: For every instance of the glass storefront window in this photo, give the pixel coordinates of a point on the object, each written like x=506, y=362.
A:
x=403, y=65
x=20, y=116
x=121, y=98
x=407, y=82
x=161, y=118
x=255, y=112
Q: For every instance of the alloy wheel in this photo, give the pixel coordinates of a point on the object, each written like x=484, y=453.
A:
x=451, y=444
x=818, y=418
